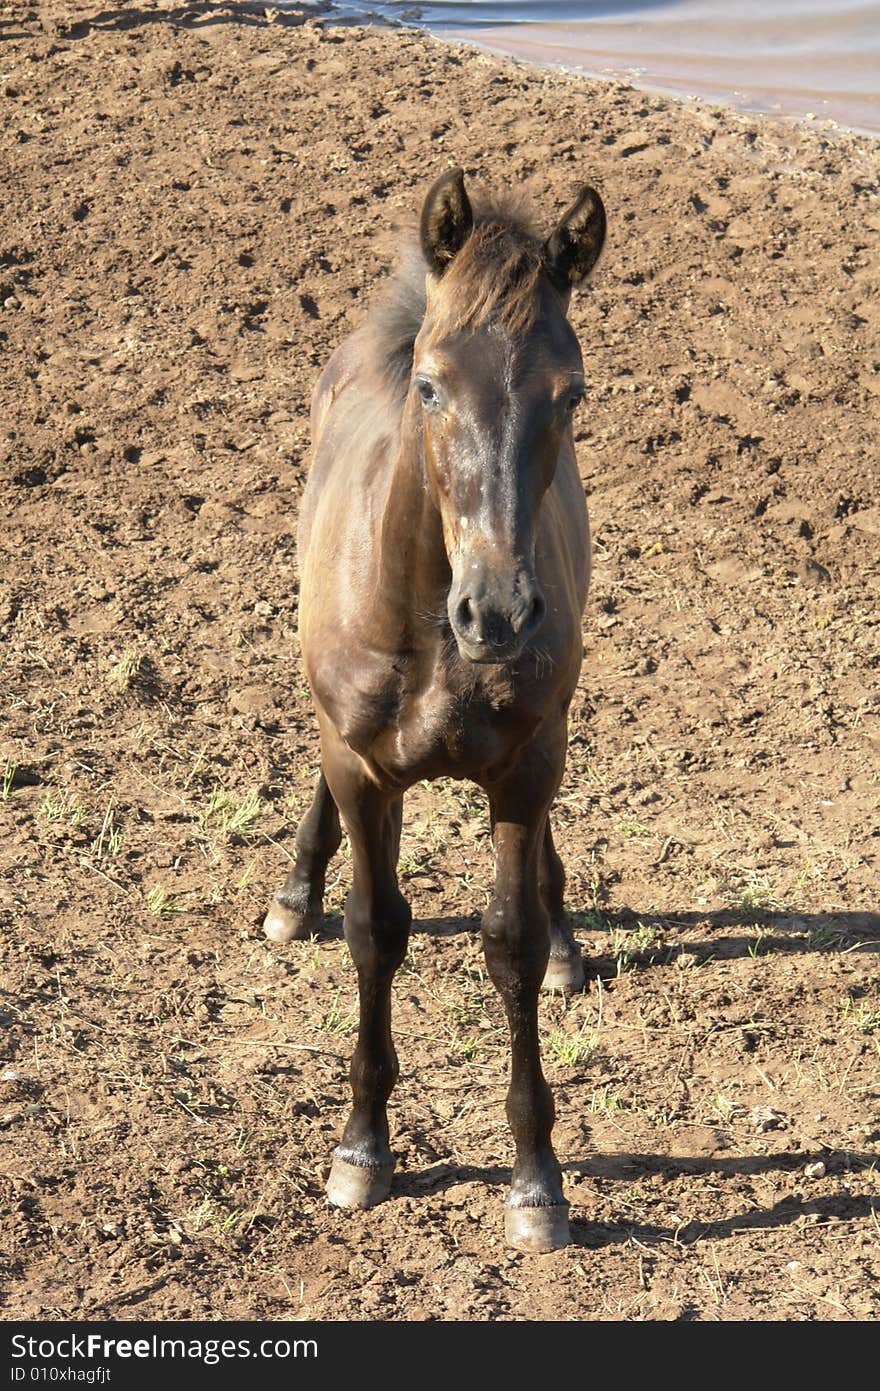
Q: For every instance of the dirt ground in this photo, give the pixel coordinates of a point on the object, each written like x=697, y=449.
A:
x=196, y=208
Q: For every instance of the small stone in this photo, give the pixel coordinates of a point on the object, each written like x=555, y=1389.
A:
x=764, y=1118
x=12, y=302
x=816, y=1170
x=811, y=573
x=253, y=700
x=422, y=881
x=15, y=1084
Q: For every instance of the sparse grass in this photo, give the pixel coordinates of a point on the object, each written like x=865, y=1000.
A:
x=865, y=1019
x=464, y=1012
x=828, y=938
x=52, y=807
x=824, y=620
x=124, y=672
x=334, y=1022
x=646, y=938
x=248, y=875
x=211, y=1215
x=725, y=1109
x=660, y=1116
x=463, y=1015
x=573, y=1050
x=605, y=1101
x=756, y=947
x=159, y=901
x=63, y=806
x=757, y=895
x=623, y=962
x=109, y=838
x=7, y=779
x=198, y=766
x=638, y=947
x=633, y=830
x=705, y=887
x=589, y=920
x=418, y=862
x=231, y=816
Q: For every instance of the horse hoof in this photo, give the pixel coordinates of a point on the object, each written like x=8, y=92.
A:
x=355, y=1186
x=281, y=924
x=565, y=973
x=537, y=1229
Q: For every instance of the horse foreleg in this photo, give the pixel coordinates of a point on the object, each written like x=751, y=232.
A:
x=516, y=939
x=297, y=911
x=377, y=920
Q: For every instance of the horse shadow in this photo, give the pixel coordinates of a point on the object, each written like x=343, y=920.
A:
x=727, y=933
x=762, y=932
x=789, y=1210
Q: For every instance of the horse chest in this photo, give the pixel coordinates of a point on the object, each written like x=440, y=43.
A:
x=406, y=731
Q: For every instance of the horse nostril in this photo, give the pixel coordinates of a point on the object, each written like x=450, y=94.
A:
x=464, y=615
x=531, y=616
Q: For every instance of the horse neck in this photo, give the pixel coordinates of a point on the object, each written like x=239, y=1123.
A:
x=413, y=571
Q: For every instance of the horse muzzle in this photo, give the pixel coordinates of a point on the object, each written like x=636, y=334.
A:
x=492, y=621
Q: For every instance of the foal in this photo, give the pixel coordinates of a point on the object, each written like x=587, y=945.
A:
x=444, y=556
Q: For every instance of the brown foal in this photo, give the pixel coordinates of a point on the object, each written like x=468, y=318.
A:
x=444, y=556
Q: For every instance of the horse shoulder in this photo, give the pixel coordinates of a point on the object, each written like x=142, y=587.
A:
x=358, y=689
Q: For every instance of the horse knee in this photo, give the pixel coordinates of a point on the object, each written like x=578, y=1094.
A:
x=377, y=933
x=516, y=941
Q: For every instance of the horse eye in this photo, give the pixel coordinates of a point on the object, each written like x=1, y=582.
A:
x=575, y=398
x=426, y=391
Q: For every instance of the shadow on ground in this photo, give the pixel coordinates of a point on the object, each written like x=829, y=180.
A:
x=767, y=931
x=790, y=1209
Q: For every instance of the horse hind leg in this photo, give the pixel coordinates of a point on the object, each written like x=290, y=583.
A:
x=297, y=910
x=565, y=969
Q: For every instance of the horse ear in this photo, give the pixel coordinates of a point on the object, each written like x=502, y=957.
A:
x=573, y=249
x=447, y=219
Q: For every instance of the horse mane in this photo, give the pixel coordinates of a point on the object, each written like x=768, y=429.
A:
x=492, y=280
